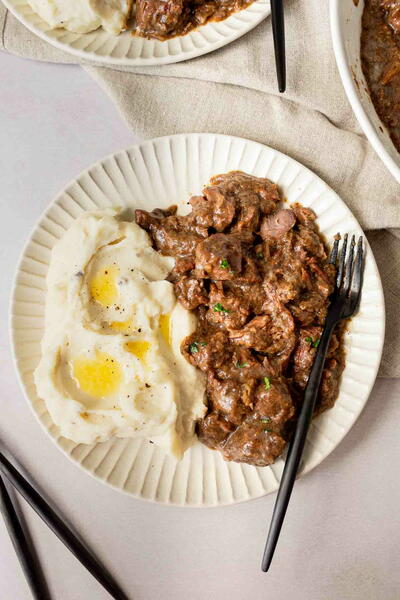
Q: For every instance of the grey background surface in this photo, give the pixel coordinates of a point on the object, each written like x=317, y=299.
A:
x=341, y=537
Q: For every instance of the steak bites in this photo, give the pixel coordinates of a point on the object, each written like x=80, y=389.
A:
x=165, y=19
x=258, y=279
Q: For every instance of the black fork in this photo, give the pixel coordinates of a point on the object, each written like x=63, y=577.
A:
x=344, y=303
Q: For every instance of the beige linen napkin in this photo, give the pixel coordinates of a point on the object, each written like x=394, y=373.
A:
x=233, y=91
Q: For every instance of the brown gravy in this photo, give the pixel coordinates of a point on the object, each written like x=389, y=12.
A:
x=165, y=19
x=258, y=279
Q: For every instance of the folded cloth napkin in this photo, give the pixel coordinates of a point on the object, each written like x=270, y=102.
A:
x=234, y=91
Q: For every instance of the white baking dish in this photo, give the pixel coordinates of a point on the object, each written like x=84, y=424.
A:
x=346, y=31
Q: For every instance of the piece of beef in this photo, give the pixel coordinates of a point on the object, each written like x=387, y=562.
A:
x=190, y=292
x=243, y=365
x=254, y=294
x=303, y=359
x=322, y=278
x=172, y=235
x=305, y=216
x=213, y=209
x=308, y=244
x=330, y=382
x=309, y=308
x=159, y=18
x=248, y=218
x=207, y=352
x=250, y=272
x=255, y=443
x=213, y=430
x=206, y=10
x=283, y=268
x=392, y=8
x=182, y=266
x=249, y=190
x=219, y=256
x=334, y=346
x=274, y=402
x=230, y=398
x=275, y=226
x=303, y=356
x=256, y=334
x=228, y=308
x=271, y=333
x=288, y=279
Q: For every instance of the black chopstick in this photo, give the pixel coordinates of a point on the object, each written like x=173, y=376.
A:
x=60, y=528
x=22, y=546
x=278, y=28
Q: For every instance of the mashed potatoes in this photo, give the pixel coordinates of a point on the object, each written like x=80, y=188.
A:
x=111, y=361
x=81, y=16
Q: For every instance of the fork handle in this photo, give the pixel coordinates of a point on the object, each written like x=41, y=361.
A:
x=278, y=29
x=296, y=447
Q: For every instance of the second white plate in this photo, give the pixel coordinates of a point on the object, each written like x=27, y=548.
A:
x=128, y=50
x=162, y=172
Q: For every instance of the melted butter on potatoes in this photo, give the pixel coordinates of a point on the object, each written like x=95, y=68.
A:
x=111, y=361
x=98, y=377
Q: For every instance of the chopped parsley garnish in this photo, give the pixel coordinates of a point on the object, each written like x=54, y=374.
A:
x=194, y=347
x=267, y=430
x=265, y=419
x=219, y=308
x=240, y=365
x=260, y=255
x=267, y=383
x=225, y=264
x=312, y=343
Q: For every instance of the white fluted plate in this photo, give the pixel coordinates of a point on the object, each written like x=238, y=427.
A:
x=129, y=50
x=159, y=173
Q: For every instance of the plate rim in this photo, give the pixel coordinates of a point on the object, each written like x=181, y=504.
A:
x=13, y=344
x=151, y=61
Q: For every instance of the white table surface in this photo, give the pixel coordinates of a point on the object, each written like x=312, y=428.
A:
x=340, y=540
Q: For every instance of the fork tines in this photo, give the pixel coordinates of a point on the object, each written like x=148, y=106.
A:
x=349, y=272
x=356, y=276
